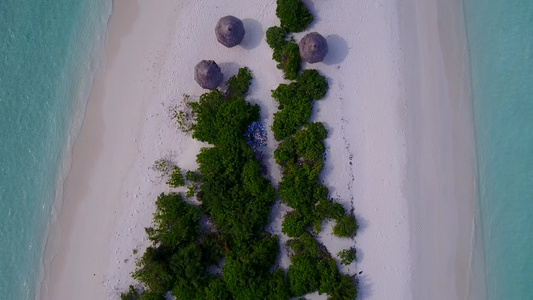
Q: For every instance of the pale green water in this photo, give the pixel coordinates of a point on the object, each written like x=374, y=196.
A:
x=45, y=76
x=500, y=37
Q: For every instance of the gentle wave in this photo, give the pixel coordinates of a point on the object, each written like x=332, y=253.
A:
x=500, y=38
x=49, y=52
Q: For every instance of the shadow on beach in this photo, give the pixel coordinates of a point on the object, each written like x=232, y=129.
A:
x=254, y=34
x=337, y=50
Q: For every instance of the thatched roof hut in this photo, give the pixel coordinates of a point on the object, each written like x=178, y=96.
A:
x=229, y=31
x=313, y=47
x=208, y=75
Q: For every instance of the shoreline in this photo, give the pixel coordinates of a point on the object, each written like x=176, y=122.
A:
x=441, y=179
x=89, y=202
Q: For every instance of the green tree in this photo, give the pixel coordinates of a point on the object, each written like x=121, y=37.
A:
x=312, y=84
x=176, y=178
x=293, y=15
x=276, y=37
x=132, y=294
x=277, y=286
x=346, y=289
x=176, y=222
x=193, y=176
x=347, y=256
x=303, y=275
x=153, y=270
x=346, y=227
x=216, y=290
x=293, y=224
x=329, y=276
x=239, y=84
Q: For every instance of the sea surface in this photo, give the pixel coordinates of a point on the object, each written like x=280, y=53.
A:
x=49, y=51
x=500, y=40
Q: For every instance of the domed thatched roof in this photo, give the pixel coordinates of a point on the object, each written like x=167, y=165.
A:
x=208, y=75
x=229, y=31
x=313, y=47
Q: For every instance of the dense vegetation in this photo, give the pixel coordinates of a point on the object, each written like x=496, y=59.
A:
x=234, y=197
x=285, y=52
x=295, y=102
x=300, y=155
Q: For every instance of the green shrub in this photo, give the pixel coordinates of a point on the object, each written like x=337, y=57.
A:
x=295, y=103
x=327, y=209
x=132, y=294
x=305, y=245
x=220, y=120
x=300, y=189
x=176, y=178
x=290, y=62
x=188, y=269
x=293, y=15
x=346, y=227
x=303, y=275
x=183, y=115
x=346, y=289
x=192, y=176
x=310, y=142
x=247, y=269
x=234, y=194
x=163, y=166
x=276, y=37
x=239, y=84
x=293, y=224
x=153, y=270
x=176, y=222
x=191, y=190
x=277, y=286
x=347, y=256
x=329, y=276
x=312, y=84
x=152, y=296
x=288, y=120
x=216, y=290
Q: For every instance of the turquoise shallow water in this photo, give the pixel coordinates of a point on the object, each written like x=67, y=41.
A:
x=500, y=37
x=46, y=69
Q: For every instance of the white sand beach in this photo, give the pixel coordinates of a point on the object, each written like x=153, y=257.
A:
x=400, y=148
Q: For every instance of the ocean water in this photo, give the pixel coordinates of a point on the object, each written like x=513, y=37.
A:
x=48, y=54
x=500, y=40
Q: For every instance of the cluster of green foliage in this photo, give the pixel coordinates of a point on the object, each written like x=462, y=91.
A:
x=132, y=294
x=347, y=256
x=176, y=178
x=276, y=37
x=163, y=166
x=180, y=253
x=238, y=85
x=313, y=269
x=182, y=114
x=285, y=52
x=346, y=226
x=293, y=15
x=301, y=159
x=300, y=154
x=295, y=102
x=236, y=199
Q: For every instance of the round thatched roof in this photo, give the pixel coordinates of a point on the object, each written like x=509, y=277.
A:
x=313, y=47
x=208, y=75
x=229, y=31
